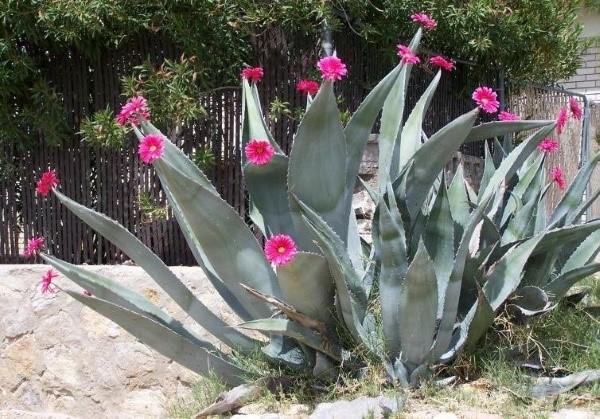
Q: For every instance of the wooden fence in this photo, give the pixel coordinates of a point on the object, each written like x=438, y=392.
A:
x=110, y=181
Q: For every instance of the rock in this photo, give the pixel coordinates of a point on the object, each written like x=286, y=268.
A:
x=59, y=359
x=372, y=407
x=573, y=414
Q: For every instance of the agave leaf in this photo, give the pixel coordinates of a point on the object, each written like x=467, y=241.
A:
x=459, y=204
x=452, y=292
x=477, y=321
x=351, y=296
x=307, y=285
x=219, y=239
x=515, y=159
x=166, y=341
x=505, y=275
x=267, y=186
x=431, y=158
x=528, y=179
x=361, y=124
x=288, y=352
x=582, y=208
x=572, y=198
x=519, y=226
x=106, y=289
x=501, y=128
x=585, y=253
x=552, y=386
x=499, y=153
x=177, y=158
x=565, y=235
x=391, y=122
x=418, y=302
x=317, y=167
x=160, y=273
x=532, y=299
x=410, y=139
x=559, y=287
x=394, y=265
x=253, y=123
x=355, y=247
x=439, y=241
x=488, y=169
x=296, y=331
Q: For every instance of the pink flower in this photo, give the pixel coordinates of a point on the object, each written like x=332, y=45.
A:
x=561, y=120
x=134, y=111
x=33, y=246
x=253, y=74
x=46, y=284
x=485, y=98
x=558, y=177
x=332, y=68
x=407, y=55
x=508, y=116
x=424, y=20
x=576, y=110
x=151, y=148
x=280, y=249
x=309, y=87
x=548, y=145
x=259, y=152
x=47, y=182
x=442, y=62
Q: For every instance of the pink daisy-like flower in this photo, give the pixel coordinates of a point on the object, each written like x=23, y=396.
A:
x=47, y=182
x=33, y=246
x=508, y=116
x=486, y=99
x=332, y=68
x=424, y=20
x=134, y=112
x=259, y=152
x=308, y=87
x=407, y=55
x=442, y=62
x=46, y=285
x=558, y=177
x=576, y=110
x=253, y=74
x=280, y=249
x=548, y=145
x=151, y=148
x=561, y=120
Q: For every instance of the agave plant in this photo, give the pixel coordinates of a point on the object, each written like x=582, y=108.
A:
x=443, y=262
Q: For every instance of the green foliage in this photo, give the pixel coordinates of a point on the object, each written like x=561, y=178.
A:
x=149, y=210
x=172, y=91
x=204, y=158
x=444, y=260
x=101, y=130
x=529, y=39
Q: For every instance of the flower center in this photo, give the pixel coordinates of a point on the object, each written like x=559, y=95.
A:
x=281, y=249
x=152, y=148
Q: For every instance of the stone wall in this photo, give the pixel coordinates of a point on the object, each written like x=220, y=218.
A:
x=58, y=357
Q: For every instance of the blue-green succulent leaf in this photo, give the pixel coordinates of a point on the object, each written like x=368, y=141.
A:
x=160, y=273
x=166, y=341
x=418, y=307
x=307, y=285
x=317, y=167
x=502, y=128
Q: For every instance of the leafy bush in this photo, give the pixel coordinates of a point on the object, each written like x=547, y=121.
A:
x=445, y=259
x=533, y=40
